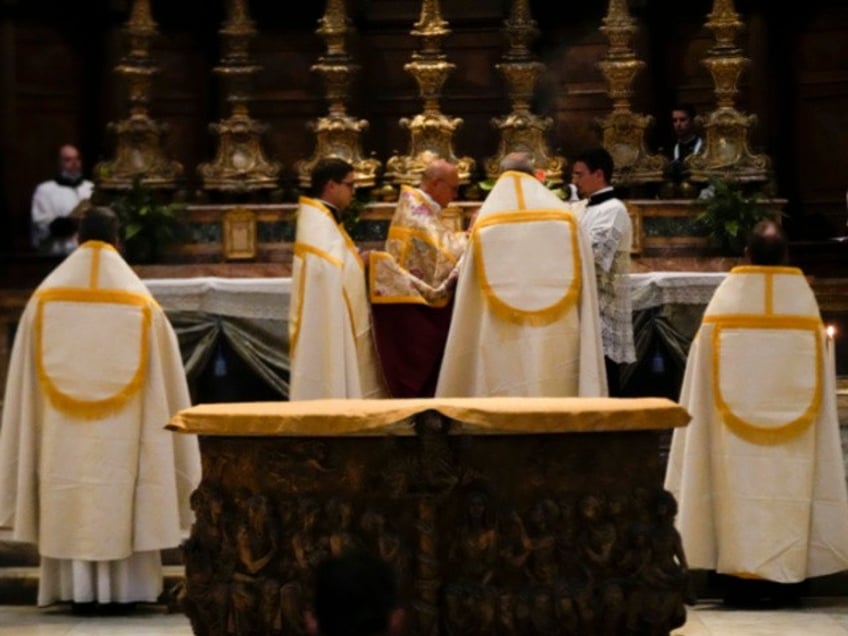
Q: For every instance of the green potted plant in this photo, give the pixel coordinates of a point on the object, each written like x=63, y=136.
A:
x=728, y=216
x=148, y=226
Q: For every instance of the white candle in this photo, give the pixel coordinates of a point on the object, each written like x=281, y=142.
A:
x=831, y=349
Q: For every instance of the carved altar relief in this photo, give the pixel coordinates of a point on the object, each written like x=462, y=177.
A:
x=508, y=534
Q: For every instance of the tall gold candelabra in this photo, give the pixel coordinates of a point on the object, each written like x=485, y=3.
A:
x=623, y=130
x=338, y=134
x=521, y=129
x=138, y=151
x=431, y=131
x=240, y=164
x=726, y=154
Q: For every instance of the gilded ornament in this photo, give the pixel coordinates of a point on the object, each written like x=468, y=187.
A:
x=431, y=132
x=138, y=151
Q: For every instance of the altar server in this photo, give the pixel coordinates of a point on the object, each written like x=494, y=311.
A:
x=607, y=224
x=759, y=473
x=88, y=472
x=55, y=203
x=525, y=320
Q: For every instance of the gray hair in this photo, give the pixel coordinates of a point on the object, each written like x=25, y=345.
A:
x=520, y=161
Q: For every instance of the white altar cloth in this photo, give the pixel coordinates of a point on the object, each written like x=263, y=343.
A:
x=268, y=298
x=655, y=289
x=255, y=298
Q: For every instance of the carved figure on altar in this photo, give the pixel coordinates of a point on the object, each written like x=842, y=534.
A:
x=257, y=538
x=339, y=513
x=383, y=540
x=474, y=549
x=660, y=577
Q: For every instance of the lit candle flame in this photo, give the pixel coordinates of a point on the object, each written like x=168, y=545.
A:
x=831, y=331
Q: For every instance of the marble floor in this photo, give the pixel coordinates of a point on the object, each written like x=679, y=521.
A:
x=816, y=617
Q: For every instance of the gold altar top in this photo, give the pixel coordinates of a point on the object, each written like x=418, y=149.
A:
x=478, y=416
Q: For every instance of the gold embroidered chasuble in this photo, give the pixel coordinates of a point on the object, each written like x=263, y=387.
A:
x=421, y=254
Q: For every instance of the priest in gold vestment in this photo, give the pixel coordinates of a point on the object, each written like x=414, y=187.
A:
x=88, y=472
x=759, y=473
x=525, y=320
x=412, y=283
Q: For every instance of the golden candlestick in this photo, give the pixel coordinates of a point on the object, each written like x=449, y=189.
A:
x=338, y=134
x=138, y=151
x=240, y=164
x=726, y=153
x=623, y=130
x=522, y=130
x=431, y=131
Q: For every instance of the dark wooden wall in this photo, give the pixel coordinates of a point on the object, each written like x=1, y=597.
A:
x=57, y=84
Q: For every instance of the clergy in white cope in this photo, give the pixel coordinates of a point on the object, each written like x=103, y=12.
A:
x=759, y=473
x=331, y=347
x=88, y=472
x=525, y=320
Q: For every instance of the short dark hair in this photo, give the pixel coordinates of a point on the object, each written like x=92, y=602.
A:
x=355, y=595
x=98, y=224
x=328, y=169
x=598, y=159
x=687, y=108
x=767, y=244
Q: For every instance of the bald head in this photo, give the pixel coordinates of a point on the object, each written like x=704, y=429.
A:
x=70, y=162
x=767, y=244
x=437, y=169
x=440, y=181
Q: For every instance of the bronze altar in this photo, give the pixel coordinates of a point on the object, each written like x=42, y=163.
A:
x=499, y=515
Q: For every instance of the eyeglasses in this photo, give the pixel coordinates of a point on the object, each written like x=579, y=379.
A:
x=349, y=184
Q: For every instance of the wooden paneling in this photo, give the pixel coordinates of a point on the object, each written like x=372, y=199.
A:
x=48, y=108
x=821, y=106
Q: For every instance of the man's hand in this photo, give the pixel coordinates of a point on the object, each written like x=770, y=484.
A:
x=365, y=255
